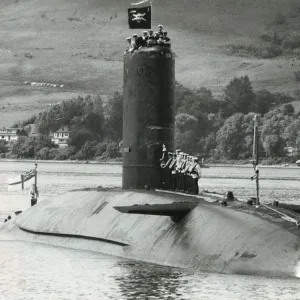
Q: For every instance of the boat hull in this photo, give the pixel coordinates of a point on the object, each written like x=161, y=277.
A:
x=232, y=239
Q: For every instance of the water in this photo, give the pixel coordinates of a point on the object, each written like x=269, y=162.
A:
x=37, y=271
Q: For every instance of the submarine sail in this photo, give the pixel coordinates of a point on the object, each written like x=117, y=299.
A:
x=148, y=113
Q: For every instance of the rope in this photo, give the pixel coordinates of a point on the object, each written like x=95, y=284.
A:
x=285, y=216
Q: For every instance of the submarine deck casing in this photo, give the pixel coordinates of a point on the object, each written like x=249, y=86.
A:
x=148, y=114
x=234, y=239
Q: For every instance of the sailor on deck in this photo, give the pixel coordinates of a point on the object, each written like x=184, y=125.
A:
x=196, y=175
x=164, y=162
x=172, y=168
x=179, y=165
x=34, y=194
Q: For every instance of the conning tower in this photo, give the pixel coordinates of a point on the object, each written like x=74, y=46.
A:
x=148, y=113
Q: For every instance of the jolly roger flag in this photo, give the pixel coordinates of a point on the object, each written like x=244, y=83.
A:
x=139, y=18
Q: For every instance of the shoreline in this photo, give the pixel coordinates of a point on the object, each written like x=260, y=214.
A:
x=63, y=161
x=229, y=165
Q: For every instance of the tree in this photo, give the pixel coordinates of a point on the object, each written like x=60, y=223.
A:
x=235, y=137
x=78, y=137
x=288, y=109
x=3, y=148
x=291, y=133
x=186, y=141
x=43, y=153
x=88, y=149
x=114, y=120
x=273, y=137
x=239, y=95
x=27, y=147
x=94, y=123
x=185, y=122
x=264, y=100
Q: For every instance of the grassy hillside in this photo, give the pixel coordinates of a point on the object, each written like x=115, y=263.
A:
x=79, y=44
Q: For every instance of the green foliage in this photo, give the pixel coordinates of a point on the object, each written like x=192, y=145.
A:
x=43, y=153
x=239, y=95
x=78, y=137
x=219, y=128
x=3, y=146
x=112, y=151
x=88, y=150
x=186, y=141
x=185, y=122
x=64, y=153
x=272, y=133
x=288, y=109
x=235, y=137
x=28, y=147
x=291, y=133
x=229, y=137
x=114, y=117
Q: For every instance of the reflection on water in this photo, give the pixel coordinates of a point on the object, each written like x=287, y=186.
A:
x=36, y=271
x=142, y=280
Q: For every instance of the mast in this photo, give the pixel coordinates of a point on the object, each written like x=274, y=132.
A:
x=151, y=5
x=256, y=157
x=35, y=180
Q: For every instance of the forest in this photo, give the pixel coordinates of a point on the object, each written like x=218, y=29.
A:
x=218, y=128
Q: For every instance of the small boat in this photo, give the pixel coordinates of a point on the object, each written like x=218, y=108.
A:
x=298, y=162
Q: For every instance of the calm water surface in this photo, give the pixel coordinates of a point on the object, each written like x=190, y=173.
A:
x=37, y=271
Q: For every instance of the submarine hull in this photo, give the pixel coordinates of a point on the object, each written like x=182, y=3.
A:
x=209, y=238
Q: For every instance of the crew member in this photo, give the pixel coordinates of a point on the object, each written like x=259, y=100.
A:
x=129, y=47
x=160, y=30
x=187, y=174
x=163, y=162
x=144, y=38
x=196, y=174
x=179, y=162
x=165, y=37
x=151, y=39
x=172, y=168
x=183, y=174
x=34, y=194
x=134, y=43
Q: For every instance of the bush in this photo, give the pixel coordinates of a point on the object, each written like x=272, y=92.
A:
x=44, y=153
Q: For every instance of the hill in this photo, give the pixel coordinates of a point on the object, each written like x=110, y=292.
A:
x=79, y=45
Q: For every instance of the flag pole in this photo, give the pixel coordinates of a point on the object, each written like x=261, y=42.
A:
x=35, y=180
x=255, y=157
x=151, y=5
x=22, y=179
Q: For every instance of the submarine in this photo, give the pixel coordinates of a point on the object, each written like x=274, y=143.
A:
x=154, y=225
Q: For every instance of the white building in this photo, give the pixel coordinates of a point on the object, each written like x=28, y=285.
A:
x=61, y=136
x=9, y=134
